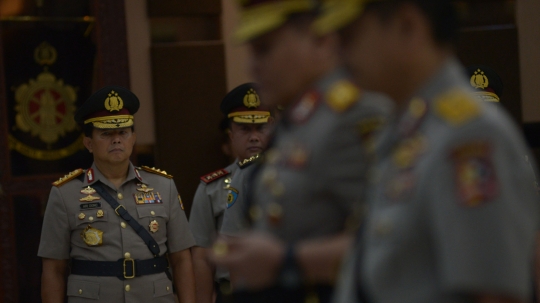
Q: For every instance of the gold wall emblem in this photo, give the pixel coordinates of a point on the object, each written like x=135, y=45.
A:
x=251, y=99
x=479, y=79
x=45, y=54
x=114, y=102
x=45, y=107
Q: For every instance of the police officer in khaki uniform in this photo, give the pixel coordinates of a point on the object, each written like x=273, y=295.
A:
x=249, y=127
x=453, y=215
x=121, y=228
x=312, y=176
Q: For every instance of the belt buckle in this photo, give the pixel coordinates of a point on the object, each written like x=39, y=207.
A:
x=116, y=209
x=132, y=267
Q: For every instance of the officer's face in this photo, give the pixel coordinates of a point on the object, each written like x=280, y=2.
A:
x=111, y=146
x=249, y=139
x=283, y=63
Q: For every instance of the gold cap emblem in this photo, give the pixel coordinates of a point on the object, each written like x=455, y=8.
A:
x=114, y=102
x=479, y=79
x=251, y=99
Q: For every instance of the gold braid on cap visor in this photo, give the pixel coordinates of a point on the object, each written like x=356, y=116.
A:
x=250, y=117
x=107, y=122
x=265, y=17
x=487, y=96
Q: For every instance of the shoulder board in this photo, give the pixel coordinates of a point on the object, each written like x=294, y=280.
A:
x=156, y=171
x=342, y=95
x=72, y=175
x=213, y=176
x=247, y=162
x=456, y=107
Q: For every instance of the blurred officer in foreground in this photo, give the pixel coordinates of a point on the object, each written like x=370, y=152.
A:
x=249, y=126
x=312, y=177
x=453, y=214
x=122, y=227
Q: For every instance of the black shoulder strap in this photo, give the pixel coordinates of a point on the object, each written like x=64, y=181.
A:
x=121, y=211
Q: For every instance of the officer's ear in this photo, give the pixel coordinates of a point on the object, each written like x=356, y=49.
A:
x=87, y=141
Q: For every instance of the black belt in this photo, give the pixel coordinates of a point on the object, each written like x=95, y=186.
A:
x=123, y=268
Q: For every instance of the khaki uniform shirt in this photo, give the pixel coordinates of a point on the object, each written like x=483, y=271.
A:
x=66, y=217
x=235, y=219
x=315, y=172
x=209, y=204
x=208, y=209
x=453, y=209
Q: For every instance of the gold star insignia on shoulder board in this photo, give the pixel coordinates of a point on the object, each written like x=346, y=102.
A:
x=456, y=107
x=72, y=175
x=342, y=95
x=156, y=171
x=246, y=162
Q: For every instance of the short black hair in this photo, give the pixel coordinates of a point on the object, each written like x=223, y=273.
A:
x=88, y=129
x=441, y=14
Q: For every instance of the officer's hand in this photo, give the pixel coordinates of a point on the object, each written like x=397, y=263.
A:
x=254, y=260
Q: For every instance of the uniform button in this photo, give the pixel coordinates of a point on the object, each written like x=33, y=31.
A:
x=123, y=225
x=153, y=213
x=120, y=196
x=90, y=218
x=127, y=255
x=82, y=216
x=80, y=291
x=128, y=288
x=168, y=288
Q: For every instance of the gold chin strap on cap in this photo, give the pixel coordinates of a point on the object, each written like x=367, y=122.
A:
x=108, y=122
x=260, y=19
x=250, y=117
x=335, y=14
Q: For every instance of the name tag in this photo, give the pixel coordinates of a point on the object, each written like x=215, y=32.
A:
x=90, y=205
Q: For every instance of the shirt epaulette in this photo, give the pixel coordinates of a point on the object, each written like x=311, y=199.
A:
x=456, y=107
x=247, y=162
x=156, y=171
x=215, y=175
x=342, y=95
x=72, y=175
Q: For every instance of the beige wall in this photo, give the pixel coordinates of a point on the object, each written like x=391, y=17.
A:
x=528, y=12
x=236, y=55
x=138, y=38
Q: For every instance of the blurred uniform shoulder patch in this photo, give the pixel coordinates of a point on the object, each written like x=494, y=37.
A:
x=215, y=175
x=342, y=95
x=456, y=107
x=156, y=171
x=65, y=179
x=475, y=175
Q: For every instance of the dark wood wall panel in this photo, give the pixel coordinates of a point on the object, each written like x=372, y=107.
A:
x=496, y=47
x=170, y=8
x=189, y=83
x=112, y=54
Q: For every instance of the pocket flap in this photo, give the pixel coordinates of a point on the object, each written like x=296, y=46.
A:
x=83, y=289
x=162, y=287
x=151, y=211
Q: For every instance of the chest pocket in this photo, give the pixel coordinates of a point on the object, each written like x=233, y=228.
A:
x=90, y=216
x=154, y=218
